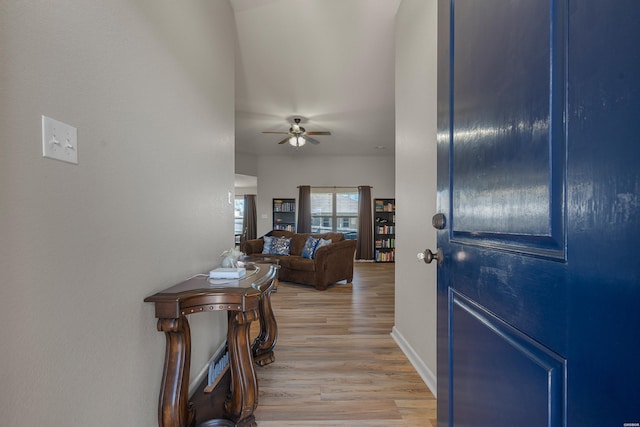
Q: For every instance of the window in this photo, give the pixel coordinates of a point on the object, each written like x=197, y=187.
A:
x=238, y=216
x=335, y=209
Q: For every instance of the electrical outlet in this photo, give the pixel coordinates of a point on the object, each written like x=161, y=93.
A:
x=59, y=141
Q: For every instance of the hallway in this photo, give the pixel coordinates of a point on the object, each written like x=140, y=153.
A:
x=336, y=363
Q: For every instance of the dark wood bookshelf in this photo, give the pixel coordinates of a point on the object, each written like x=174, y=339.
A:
x=284, y=214
x=384, y=229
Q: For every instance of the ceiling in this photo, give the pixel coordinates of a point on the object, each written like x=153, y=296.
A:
x=330, y=62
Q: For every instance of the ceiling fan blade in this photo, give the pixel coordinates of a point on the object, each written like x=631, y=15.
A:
x=311, y=140
x=283, y=133
x=318, y=133
x=284, y=140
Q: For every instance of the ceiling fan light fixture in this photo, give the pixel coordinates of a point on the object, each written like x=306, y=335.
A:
x=298, y=135
x=297, y=141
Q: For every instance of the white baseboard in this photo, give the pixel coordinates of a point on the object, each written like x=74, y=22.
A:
x=425, y=373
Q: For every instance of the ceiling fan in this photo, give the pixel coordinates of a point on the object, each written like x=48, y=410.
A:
x=298, y=136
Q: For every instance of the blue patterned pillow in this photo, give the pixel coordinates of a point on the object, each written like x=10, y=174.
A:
x=321, y=243
x=281, y=246
x=268, y=244
x=310, y=247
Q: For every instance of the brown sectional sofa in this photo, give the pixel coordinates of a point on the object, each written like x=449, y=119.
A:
x=332, y=263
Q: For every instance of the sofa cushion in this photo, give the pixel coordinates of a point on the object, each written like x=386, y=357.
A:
x=268, y=243
x=298, y=240
x=298, y=263
x=321, y=243
x=281, y=246
x=310, y=247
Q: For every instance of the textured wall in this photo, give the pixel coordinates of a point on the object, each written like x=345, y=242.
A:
x=149, y=85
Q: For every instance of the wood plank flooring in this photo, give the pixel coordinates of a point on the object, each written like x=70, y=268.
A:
x=336, y=364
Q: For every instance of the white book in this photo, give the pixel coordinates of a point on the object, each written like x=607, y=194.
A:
x=227, y=273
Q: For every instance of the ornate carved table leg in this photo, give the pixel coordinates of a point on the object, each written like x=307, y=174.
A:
x=174, y=409
x=265, y=341
x=243, y=397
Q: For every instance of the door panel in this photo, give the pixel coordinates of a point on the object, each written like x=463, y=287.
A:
x=501, y=117
x=508, y=379
x=539, y=178
x=508, y=142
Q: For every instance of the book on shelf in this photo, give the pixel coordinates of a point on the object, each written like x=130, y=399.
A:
x=386, y=229
x=287, y=227
x=281, y=206
x=385, y=243
x=384, y=206
x=385, y=256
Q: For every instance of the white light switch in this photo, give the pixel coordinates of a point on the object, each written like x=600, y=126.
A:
x=59, y=140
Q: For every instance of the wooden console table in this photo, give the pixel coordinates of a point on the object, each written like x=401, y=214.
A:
x=245, y=300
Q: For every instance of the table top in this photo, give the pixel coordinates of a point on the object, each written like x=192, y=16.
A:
x=200, y=294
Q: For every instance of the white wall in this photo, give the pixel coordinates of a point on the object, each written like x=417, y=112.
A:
x=149, y=85
x=241, y=191
x=416, y=90
x=280, y=176
x=246, y=164
x=245, y=184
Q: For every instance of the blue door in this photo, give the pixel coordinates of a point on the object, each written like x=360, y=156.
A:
x=539, y=182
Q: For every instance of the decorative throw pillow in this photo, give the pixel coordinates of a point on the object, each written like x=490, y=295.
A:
x=309, y=247
x=321, y=243
x=281, y=246
x=268, y=243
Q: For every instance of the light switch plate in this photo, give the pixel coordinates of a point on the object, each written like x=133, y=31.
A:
x=59, y=140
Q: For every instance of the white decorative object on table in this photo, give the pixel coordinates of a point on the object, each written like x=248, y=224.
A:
x=230, y=258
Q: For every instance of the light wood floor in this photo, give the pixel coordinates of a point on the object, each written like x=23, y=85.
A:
x=336, y=364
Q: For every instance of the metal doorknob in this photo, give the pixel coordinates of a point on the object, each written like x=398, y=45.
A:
x=427, y=256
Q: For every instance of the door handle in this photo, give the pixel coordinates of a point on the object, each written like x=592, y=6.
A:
x=427, y=256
